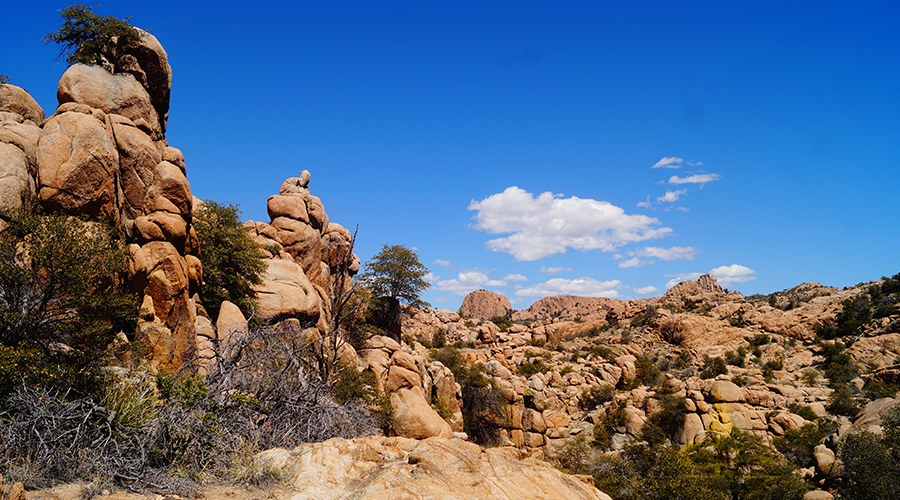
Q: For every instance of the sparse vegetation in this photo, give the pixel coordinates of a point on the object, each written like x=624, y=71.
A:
x=86, y=37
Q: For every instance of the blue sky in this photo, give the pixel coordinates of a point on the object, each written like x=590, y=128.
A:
x=513, y=144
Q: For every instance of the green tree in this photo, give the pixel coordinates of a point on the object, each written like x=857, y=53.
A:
x=232, y=261
x=86, y=37
x=62, y=300
x=394, y=276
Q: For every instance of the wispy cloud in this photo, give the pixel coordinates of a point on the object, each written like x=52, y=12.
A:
x=670, y=162
x=673, y=253
x=441, y=262
x=554, y=270
x=646, y=289
x=430, y=276
x=515, y=277
x=585, y=287
x=674, y=162
x=694, y=179
x=549, y=224
x=671, y=196
x=635, y=262
x=646, y=203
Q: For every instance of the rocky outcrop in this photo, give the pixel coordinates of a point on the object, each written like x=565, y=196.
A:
x=382, y=468
x=104, y=154
x=306, y=255
x=483, y=304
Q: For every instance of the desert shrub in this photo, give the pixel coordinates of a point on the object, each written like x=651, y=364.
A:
x=439, y=340
x=86, y=37
x=810, y=377
x=4, y=79
x=769, y=368
x=670, y=417
x=483, y=404
x=870, y=468
x=876, y=389
x=740, y=380
x=573, y=456
x=737, y=319
x=760, y=339
x=596, y=396
x=736, y=358
x=839, y=366
x=602, y=352
x=804, y=411
x=601, y=438
x=797, y=445
x=646, y=372
x=722, y=467
x=529, y=368
x=842, y=401
x=713, y=367
x=503, y=322
x=232, y=261
x=646, y=318
x=62, y=300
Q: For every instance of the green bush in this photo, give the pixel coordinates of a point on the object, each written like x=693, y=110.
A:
x=529, y=368
x=86, y=37
x=596, y=396
x=797, y=445
x=483, y=404
x=713, y=367
x=842, y=401
x=62, y=300
x=232, y=261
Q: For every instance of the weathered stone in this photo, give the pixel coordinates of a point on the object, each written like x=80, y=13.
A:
x=484, y=304
x=414, y=417
x=77, y=163
x=285, y=292
x=170, y=191
x=292, y=207
x=723, y=391
x=16, y=100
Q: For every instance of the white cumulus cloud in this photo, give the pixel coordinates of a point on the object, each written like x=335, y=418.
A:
x=549, y=224
x=442, y=262
x=734, y=273
x=694, y=179
x=469, y=281
x=673, y=253
x=725, y=275
x=646, y=289
x=635, y=262
x=671, y=196
x=585, y=287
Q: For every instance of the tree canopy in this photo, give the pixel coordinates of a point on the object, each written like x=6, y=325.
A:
x=397, y=274
x=232, y=261
x=85, y=37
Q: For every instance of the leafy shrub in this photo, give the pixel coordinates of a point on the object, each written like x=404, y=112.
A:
x=769, y=368
x=760, y=339
x=713, y=367
x=875, y=389
x=870, y=467
x=529, y=368
x=62, y=300
x=596, y=396
x=797, y=445
x=483, y=404
x=86, y=37
x=603, y=352
x=736, y=358
x=647, y=372
x=842, y=401
x=232, y=261
x=573, y=455
x=804, y=411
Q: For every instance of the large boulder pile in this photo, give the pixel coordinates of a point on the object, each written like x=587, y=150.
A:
x=104, y=154
x=307, y=255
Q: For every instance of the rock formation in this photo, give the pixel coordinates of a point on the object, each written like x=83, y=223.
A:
x=483, y=304
x=381, y=468
x=104, y=154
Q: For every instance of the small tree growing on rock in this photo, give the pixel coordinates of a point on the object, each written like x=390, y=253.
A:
x=232, y=261
x=394, y=275
x=86, y=37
